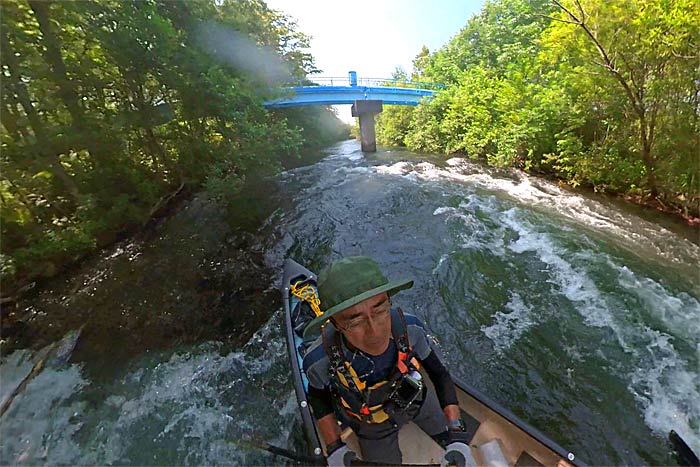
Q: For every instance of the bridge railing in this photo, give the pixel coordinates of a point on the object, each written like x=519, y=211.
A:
x=369, y=82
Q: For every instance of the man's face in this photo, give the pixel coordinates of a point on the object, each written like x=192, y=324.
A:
x=367, y=325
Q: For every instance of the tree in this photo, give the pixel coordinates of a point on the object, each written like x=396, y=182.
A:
x=109, y=107
x=52, y=54
x=420, y=62
x=399, y=74
x=15, y=89
x=601, y=94
x=641, y=45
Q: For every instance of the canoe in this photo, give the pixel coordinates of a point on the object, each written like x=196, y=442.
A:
x=498, y=437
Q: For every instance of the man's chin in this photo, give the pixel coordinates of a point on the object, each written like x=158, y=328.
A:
x=378, y=348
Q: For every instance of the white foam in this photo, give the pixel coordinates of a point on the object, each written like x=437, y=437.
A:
x=574, y=284
x=636, y=234
x=454, y=213
x=473, y=236
x=668, y=392
x=471, y=242
x=399, y=168
x=508, y=326
x=455, y=161
x=444, y=210
x=41, y=409
x=353, y=170
x=442, y=259
x=681, y=312
x=189, y=406
x=473, y=203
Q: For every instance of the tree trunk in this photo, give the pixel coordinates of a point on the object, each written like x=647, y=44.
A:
x=635, y=92
x=135, y=85
x=157, y=150
x=53, y=57
x=9, y=121
x=19, y=87
x=145, y=109
x=646, y=139
x=43, y=145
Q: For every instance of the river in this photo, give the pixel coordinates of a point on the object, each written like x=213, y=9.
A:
x=578, y=314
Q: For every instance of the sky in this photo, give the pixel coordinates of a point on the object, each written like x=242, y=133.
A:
x=373, y=37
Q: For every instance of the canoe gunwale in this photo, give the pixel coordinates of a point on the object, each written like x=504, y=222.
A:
x=528, y=429
x=291, y=271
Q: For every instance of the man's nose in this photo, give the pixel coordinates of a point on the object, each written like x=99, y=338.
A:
x=372, y=325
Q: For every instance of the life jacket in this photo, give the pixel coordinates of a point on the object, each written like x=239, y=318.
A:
x=368, y=404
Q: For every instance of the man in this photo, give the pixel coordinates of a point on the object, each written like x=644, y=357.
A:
x=364, y=367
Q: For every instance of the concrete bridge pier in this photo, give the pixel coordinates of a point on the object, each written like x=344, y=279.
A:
x=365, y=111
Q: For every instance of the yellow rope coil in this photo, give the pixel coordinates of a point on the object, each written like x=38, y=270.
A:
x=308, y=294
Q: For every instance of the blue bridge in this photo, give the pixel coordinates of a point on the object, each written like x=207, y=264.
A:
x=333, y=91
x=367, y=95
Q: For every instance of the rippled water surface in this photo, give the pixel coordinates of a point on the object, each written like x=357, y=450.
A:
x=579, y=317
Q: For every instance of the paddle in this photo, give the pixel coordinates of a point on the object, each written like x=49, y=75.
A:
x=296, y=457
x=686, y=456
x=316, y=460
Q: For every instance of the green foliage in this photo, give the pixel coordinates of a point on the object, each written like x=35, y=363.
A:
x=314, y=126
x=107, y=107
x=392, y=124
x=603, y=94
x=424, y=131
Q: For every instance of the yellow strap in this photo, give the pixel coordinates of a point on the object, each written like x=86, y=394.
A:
x=360, y=384
x=380, y=416
x=378, y=385
x=308, y=294
x=377, y=413
x=342, y=379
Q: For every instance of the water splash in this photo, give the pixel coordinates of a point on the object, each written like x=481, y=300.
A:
x=668, y=390
x=194, y=406
x=509, y=326
x=660, y=379
x=637, y=235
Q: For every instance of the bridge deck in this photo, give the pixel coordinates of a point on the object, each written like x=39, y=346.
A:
x=332, y=95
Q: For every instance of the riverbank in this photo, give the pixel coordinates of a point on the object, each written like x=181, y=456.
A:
x=157, y=288
x=31, y=259
x=523, y=96
x=675, y=207
x=690, y=217
x=681, y=211
x=28, y=321
x=83, y=168
x=656, y=209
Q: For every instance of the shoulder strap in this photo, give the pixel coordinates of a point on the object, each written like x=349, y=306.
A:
x=399, y=330
x=335, y=358
x=339, y=367
x=406, y=360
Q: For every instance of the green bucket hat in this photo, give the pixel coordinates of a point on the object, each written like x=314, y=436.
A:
x=347, y=282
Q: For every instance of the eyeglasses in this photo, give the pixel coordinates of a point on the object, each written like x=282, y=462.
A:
x=379, y=313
